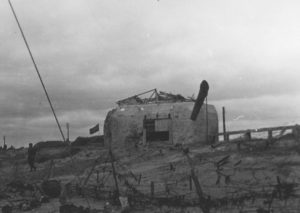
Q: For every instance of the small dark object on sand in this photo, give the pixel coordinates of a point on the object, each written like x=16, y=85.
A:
x=51, y=188
x=186, y=150
x=70, y=208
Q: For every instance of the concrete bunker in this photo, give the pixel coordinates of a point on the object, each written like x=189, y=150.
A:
x=161, y=119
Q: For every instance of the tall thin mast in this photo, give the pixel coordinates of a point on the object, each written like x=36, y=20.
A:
x=37, y=71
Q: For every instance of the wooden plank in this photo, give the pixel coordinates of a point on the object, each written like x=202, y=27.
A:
x=143, y=93
x=258, y=130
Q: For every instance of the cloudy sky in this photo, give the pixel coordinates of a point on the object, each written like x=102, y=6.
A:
x=92, y=53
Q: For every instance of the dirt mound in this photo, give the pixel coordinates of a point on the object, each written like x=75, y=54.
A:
x=51, y=153
x=48, y=144
x=83, y=141
x=49, y=150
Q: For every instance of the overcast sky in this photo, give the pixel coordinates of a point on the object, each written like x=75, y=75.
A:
x=92, y=53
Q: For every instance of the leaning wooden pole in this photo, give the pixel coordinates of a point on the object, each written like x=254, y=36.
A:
x=114, y=172
x=92, y=170
x=204, y=205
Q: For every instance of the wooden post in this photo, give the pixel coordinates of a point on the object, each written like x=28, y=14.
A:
x=227, y=136
x=270, y=135
x=152, y=189
x=170, y=128
x=296, y=132
x=224, y=124
x=4, y=140
x=247, y=136
x=97, y=176
x=238, y=145
x=114, y=173
x=96, y=192
x=68, y=132
x=206, y=121
x=144, y=131
x=50, y=170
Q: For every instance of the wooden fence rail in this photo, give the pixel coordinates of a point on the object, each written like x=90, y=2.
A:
x=268, y=129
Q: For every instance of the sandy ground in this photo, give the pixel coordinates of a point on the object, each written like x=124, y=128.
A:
x=244, y=183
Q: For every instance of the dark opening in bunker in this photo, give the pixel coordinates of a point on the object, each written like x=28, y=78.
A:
x=157, y=129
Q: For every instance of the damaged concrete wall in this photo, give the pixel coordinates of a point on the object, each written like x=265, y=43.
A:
x=124, y=125
x=187, y=131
